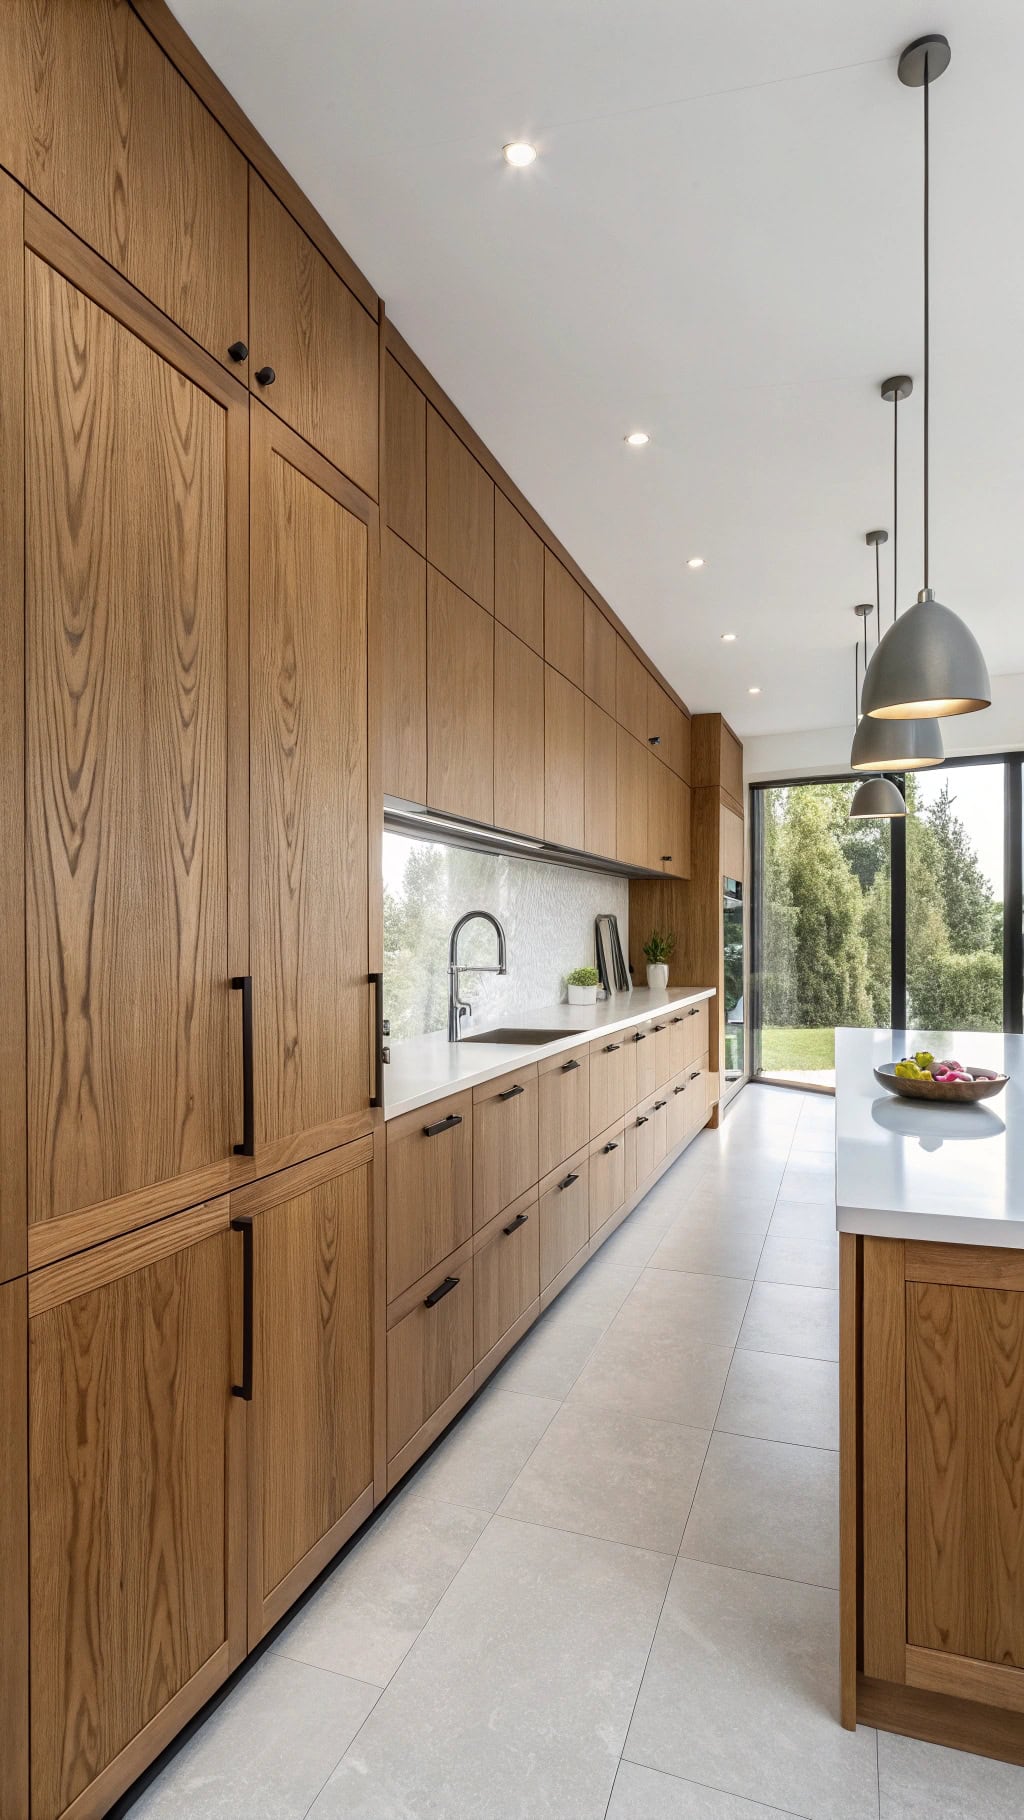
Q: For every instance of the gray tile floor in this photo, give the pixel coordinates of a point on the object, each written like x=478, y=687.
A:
x=609, y=1594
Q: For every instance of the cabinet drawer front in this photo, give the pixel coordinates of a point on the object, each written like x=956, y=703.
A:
x=430, y=1188
x=504, y=1142
x=607, y=1176
x=696, y=1032
x=506, y=1273
x=639, y=1134
x=678, y=1110
x=563, y=1216
x=678, y=1025
x=642, y=1044
x=607, y=1082
x=662, y=1031
x=564, y=1108
x=696, y=1096
x=659, y=1120
x=430, y=1348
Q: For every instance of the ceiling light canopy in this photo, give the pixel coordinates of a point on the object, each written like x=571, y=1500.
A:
x=637, y=438
x=754, y=691
x=929, y=663
x=695, y=562
x=877, y=797
x=519, y=154
x=728, y=638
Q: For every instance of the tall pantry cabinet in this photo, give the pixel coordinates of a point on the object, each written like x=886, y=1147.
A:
x=188, y=1077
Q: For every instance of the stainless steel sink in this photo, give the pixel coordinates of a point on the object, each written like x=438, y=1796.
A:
x=520, y=1037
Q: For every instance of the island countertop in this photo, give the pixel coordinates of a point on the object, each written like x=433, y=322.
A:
x=906, y=1169
x=426, y=1068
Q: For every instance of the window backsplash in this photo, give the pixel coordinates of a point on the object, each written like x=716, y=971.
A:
x=547, y=913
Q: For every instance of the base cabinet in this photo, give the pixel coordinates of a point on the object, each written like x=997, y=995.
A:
x=563, y=1215
x=429, y=1358
x=506, y=1273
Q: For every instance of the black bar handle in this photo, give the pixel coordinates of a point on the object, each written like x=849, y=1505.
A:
x=443, y=1289
x=694, y=1009
x=510, y=1092
x=658, y=1028
x=659, y=1105
x=640, y=1037
x=244, y=1225
x=567, y=1067
x=446, y=1124
x=606, y=1147
x=568, y=1181
x=695, y=1074
x=681, y=1089
x=520, y=1220
x=610, y=1048
x=677, y=1020
x=380, y=1031
x=642, y=1120
x=242, y=982
x=654, y=739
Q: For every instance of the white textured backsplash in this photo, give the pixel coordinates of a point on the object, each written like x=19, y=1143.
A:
x=547, y=913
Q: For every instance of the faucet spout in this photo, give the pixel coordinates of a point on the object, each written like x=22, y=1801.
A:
x=458, y=1007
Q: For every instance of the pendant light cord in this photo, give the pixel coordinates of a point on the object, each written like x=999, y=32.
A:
x=856, y=685
x=927, y=316
x=878, y=603
x=895, y=503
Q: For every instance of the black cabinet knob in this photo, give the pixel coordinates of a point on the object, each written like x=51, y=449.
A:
x=654, y=739
x=265, y=376
x=238, y=351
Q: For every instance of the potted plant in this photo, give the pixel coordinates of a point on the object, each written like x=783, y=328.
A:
x=658, y=951
x=582, y=984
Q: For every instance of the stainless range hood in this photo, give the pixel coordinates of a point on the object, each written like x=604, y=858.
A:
x=421, y=823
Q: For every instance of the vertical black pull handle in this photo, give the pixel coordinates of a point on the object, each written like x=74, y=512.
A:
x=244, y=1225
x=520, y=1220
x=242, y=983
x=381, y=1055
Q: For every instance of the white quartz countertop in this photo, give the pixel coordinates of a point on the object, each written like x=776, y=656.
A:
x=426, y=1068
x=909, y=1170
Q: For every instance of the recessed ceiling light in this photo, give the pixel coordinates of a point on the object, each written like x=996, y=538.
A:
x=637, y=438
x=754, y=691
x=695, y=562
x=728, y=638
x=519, y=153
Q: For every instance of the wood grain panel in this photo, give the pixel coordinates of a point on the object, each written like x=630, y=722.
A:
x=564, y=760
x=122, y=1257
x=599, y=657
x=127, y=695
x=518, y=574
x=460, y=702
x=404, y=464
x=661, y=831
x=131, y=1463
x=731, y=845
x=563, y=1108
x=916, y=1712
x=883, y=1468
x=506, y=1272
x=98, y=124
x=607, y=1176
x=430, y=1189
x=631, y=764
x=518, y=735
x=563, y=619
x=563, y=1215
x=311, y=586
x=600, y=740
x=630, y=692
x=430, y=1352
x=311, y=1417
x=504, y=1142
x=965, y=1472
x=974, y=1266
x=460, y=513
x=849, y=1476
x=607, y=1081
x=13, y=1184
x=403, y=647
x=638, y=1138
x=14, y=1775
x=665, y=728
x=966, y=1679
x=323, y=346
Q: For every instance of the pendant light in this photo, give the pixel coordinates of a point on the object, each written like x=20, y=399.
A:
x=929, y=663
x=893, y=745
x=876, y=797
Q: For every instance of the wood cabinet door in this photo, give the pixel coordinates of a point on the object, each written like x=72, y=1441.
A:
x=631, y=766
x=310, y=1420
x=679, y=826
x=665, y=723
x=403, y=649
x=460, y=702
x=136, y=1500
x=430, y=1188
x=563, y=1215
x=644, y=1042
x=660, y=839
x=13, y=1186
x=97, y=123
x=564, y=761
x=607, y=1080
x=518, y=574
x=631, y=680
x=504, y=1142
x=506, y=1273
x=312, y=549
x=563, y=619
x=599, y=801
x=429, y=1358
x=518, y=735
x=607, y=1176
x=404, y=450
x=564, y=1108
x=307, y=328
x=460, y=513
x=599, y=657
x=135, y=606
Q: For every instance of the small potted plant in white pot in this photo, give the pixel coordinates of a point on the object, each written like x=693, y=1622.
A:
x=658, y=951
x=582, y=984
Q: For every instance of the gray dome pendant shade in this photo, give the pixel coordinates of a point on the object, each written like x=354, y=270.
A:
x=876, y=796
x=929, y=663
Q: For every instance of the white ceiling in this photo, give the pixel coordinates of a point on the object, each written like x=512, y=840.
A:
x=720, y=242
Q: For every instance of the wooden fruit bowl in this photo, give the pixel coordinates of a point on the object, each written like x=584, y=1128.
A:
x=948, y=1093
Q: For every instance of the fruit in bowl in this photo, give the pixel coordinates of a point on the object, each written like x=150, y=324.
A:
x=924, y=1067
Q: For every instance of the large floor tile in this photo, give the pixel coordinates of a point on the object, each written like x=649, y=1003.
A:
x=514, y=1702
x=370, y=1611
x=550, y=1358
x=607, y=1472
x=712, y=1243
x=809, y=1182
x=265, y=1751
x=648, y=1794
x=741, y=1694
x=783, y=1318
x=478, y=1460
x=663, y=1374
x=804, y=1219
x=780, y=1398
x=768, y=1508
x=925, y=1782
x=709, y=1310
x=810, y=1259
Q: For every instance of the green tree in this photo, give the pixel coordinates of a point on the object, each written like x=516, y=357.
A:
x=829, y=952
x=964, y=890
x=778, y=921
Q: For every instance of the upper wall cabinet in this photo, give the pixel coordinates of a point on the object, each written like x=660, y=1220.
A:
x=599, y=641
x=630, y=691
x=563, y=619
x=518, y=574
x=98, y=124
x=665, y=723
x=460, y=702
x=313, y=347
x=717, y=760
x=632, y=760
x=403, y=664
x=404, y=500
x=518, y=735
x=460, y=513
x=564, y=760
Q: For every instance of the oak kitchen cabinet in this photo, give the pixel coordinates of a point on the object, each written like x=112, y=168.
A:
x=600, y=808
x=404, y=456
x=460, y=702
x=504, y=1142
x=518, y=574
x=563, y=620
x=430, y=1188
x=631, y=766
x=506, y=1274
x=563, y=1084
x=564, y=760
x=519, y=737
x=403, y=643
x=460, y=513
x=599, y=657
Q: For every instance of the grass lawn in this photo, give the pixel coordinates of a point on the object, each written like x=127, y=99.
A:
x=797, y=1049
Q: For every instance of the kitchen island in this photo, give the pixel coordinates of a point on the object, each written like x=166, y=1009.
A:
x=930, y=1212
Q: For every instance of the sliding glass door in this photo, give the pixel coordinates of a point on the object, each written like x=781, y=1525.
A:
x=914, y=921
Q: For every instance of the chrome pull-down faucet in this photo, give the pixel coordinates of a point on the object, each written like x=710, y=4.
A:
x=458, y=1007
